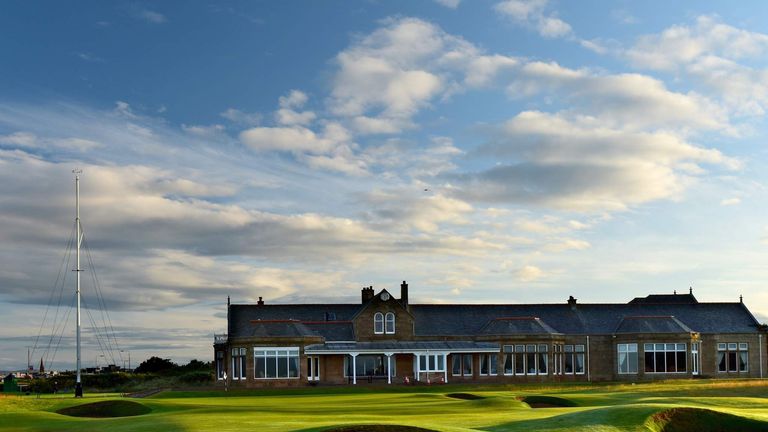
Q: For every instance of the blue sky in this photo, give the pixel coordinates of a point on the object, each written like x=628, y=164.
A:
x=488, y=151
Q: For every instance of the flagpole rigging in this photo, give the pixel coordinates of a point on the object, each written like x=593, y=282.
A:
x=79, y=239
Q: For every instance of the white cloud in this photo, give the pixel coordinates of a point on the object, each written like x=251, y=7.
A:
x=289, y=117
x=203, y=131
x=730, y=201
x=291, y=139
x=394, y=72
x=529, y=273
x=412, y=208
x=680, y=45
x=152, y=16
x=580, y=165
x=531, y=13
x=718, y=56
x=294, y=99
x=19, y=139
x=241, y=118
x=623, y=100
x=452, y=4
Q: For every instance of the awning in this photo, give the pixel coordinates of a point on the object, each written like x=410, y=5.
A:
x=402, y=347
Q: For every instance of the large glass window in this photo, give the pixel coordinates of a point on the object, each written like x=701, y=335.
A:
x=390, y=323
x=220, y=365
x=455, y=364
x=627, y=358
x=509, y=359
x=543, y=358
x=275, y=363
x=733, y=357
x=558, y=358
x=378, y=323
x=369, y=365
x=488, y=364
x=665, y=357
x=431, y=363
x=238, y=363
x=466, y=364
x=461, y=364
x=519, y=359
x=573, y=359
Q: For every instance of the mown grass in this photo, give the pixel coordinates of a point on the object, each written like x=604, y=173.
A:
x=656, y=407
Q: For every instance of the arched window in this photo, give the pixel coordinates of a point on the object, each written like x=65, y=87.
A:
x=390, y=328
x=378, y=323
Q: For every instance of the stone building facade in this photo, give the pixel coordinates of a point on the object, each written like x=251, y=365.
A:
x=387, y=340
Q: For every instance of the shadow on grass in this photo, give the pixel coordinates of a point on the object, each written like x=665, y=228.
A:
x=376, y=428
x=547, y=402
x=701, y=420
x=464, y=396
x=106, y=409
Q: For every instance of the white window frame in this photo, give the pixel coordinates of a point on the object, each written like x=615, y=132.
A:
x=509, y=353
x=628, y=349
x=488, y=360
x=313, y=368
x=280, y=353
x=389, y=318
x=220, y=365
x=431, y=362
x=542, y=356
x=733, y=347
x=666, y=349
x=378, y=323
x=238, y=356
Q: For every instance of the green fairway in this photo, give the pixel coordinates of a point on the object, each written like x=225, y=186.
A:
x=720, y=405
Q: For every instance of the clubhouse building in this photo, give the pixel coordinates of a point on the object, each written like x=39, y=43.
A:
x=387, y=340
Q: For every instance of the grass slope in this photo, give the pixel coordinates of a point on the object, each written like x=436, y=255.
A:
x=641, y=407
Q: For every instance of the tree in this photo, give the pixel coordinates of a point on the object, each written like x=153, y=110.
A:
x=196, y=365
x=156, y=365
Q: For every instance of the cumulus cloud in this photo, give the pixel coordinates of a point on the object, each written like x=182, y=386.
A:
x=393, y=72
x=623, y=100
x=452, y=4
x=578, y=165
x=532, y=13
x=721, y=57
x=241, y=118
x=529, y=273
x=412, y=209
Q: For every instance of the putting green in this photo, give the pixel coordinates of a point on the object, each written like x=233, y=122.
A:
x=658, y=407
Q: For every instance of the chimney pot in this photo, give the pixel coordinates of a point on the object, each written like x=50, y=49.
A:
x=367, y=294
x=260, y=302
x=572, y=302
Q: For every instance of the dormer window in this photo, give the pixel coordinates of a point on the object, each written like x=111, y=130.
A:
x=378, y=323
x=390, y=323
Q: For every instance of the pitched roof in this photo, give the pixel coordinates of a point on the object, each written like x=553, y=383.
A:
x=333, y=321
x=665, y=299
x=651, y=324
x=330, y=321
x=517, y=325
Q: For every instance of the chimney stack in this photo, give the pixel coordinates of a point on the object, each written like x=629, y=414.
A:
x=367, y=294
x=404, y=294
x=572, y=302
x=260, y=302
